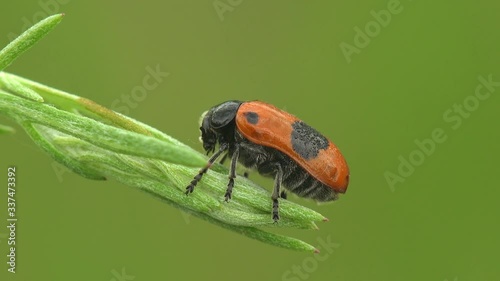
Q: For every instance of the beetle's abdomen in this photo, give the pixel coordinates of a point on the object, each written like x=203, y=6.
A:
x=303, y=184
x=266, y=161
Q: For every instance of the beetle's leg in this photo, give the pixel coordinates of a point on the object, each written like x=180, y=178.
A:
x=203, y=170
x=232, y=173
x=283, y=194
x=276, y=192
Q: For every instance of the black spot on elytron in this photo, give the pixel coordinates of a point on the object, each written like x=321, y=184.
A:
x=252, y=117
x=306, y=141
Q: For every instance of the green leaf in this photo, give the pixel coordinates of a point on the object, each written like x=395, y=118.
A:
x=15, y=86
x=153, y=162
x=98, y=143
x=27, y=40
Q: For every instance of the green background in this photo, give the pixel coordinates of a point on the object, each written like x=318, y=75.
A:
x=440, y=223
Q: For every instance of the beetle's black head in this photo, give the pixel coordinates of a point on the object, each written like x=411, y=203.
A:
x=217, y=124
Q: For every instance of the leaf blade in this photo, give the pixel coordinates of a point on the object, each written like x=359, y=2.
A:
x=27, y=39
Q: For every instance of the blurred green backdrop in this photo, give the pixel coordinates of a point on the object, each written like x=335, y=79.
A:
x=377, y=77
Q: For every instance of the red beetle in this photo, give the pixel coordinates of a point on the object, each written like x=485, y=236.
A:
x=276, y=144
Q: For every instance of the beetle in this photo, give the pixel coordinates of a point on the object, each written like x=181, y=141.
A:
x=276, y=144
